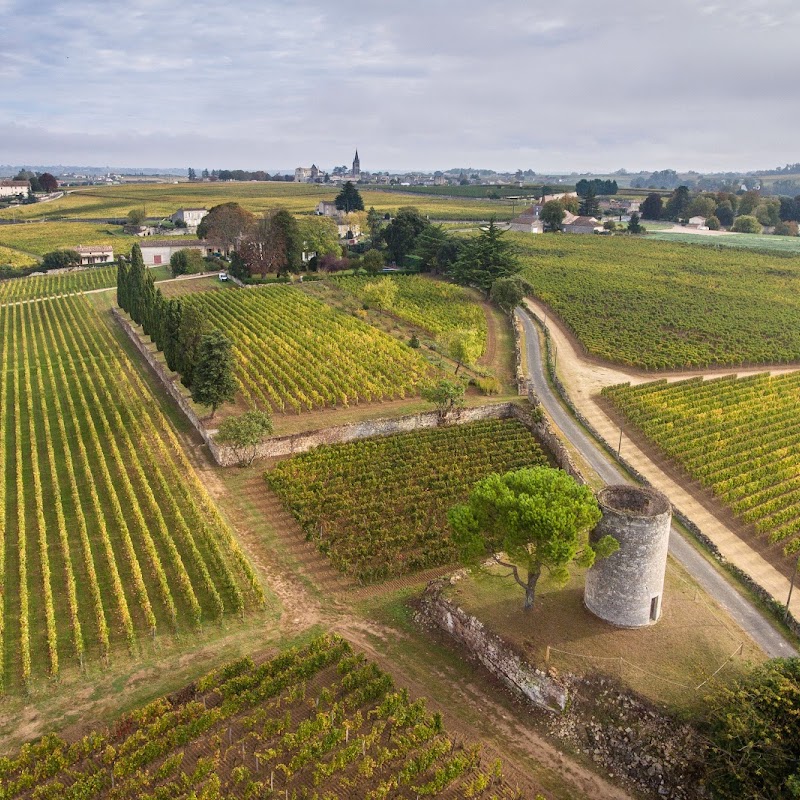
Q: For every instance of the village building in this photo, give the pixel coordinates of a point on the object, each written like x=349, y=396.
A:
x=95, y=254
x=698, y=223
x=191, y=217
x=159, y=251
x=325, y=208
x=582, y=225
x=528, y=221
x=15, y=188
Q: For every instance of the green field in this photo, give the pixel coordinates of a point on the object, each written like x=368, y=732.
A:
x=294, y=353
x=36, y=286
x=657, y=305
x=318, y=722
x=435, y=306
x=378, y=507
x=738, y=437
x=744, y=241
x=38, y=238
x=106, y=532
x=161, y=200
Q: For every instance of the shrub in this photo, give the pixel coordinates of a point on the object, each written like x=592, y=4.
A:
x=488, y=385
x=746, y=224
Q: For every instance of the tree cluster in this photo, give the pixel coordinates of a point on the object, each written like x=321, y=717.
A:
x=596, y=185
x=59, y=259
x=39, y=181
x=203, y=357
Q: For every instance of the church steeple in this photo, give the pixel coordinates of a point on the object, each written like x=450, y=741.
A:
x=356, y=172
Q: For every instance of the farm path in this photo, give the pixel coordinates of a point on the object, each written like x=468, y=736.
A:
x=583, y=378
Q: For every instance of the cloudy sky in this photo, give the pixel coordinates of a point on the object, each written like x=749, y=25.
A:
x=417, y=84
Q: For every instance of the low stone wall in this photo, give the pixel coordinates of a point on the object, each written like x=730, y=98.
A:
x=491, y=651
x=166, y=380
x=519, y=370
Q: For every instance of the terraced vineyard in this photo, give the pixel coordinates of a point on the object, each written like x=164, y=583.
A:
x=436, y=306
x=658, y=305
x=319, y=723
x=105, y=530
x=738, y=437
x=294, y=353
x=378, y=507
x=32, y=288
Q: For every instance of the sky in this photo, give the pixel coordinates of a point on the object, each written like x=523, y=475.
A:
x=572, y=86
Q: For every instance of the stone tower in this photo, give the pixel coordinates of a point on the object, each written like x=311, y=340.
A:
x=626, y=588
x=356, y=173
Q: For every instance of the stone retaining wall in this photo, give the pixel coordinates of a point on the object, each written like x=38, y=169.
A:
x=490, y=650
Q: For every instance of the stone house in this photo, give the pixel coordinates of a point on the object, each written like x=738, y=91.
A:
x=582, y=225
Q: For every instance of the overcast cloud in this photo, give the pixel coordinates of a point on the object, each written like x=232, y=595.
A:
x=425, y=84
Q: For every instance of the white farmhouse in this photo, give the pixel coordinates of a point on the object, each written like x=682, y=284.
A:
x=95, y=254
x=528, y=221
x=699, y=223
x=14, y=188
x=190, y=216
x=583, y=225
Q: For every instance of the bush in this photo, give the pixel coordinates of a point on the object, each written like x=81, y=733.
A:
x=488, y=385
x=746, y=224
x=713, y=224
x=414, y=341
x=60, y=259
x=187, y=262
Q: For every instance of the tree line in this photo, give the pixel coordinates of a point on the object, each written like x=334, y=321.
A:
x=744, y=212
x=203, y=356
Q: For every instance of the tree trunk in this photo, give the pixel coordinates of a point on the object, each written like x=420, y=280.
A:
x=530, y=587
x=458, y=367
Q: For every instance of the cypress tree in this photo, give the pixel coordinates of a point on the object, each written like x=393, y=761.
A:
x=213, y=382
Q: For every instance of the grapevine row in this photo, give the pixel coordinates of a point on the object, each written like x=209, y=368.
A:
x=378, y=508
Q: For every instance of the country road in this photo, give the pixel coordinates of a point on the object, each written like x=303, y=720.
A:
x=773, y=643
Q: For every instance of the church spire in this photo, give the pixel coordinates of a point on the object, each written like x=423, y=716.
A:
x=356, y=172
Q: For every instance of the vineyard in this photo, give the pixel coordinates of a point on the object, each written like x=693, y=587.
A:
x=106, y=533
x=294, y=353
x=37, y=286
x=738, y=437
x=378, y=507
x=319, y=723
x=15, y=258
x=658, y=305
x=164, y=199
x=43, y=237
x=436, y=306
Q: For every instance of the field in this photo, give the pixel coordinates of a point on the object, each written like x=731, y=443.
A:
x=435, y=306
x=37, y=286
x=294, y=353
x=318, y=722
x=745, y=241
x=15, y=259
x=378, y=508
x=161, y=200
x=659, y=305
x=41, y=238
x=106, y=533
x=738, y=437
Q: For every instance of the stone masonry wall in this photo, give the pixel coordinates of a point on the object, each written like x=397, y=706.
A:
x=491, y=651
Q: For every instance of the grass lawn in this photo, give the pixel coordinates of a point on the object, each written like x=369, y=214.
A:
x=745, y=241
x=665, y=662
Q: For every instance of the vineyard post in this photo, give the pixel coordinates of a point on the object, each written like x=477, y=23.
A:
x=791, y=588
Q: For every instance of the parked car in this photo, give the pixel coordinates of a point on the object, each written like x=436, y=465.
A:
x=223, y=276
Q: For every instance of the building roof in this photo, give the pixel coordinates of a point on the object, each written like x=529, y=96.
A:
x=177, y=241
x=21, y=184
x=584, y=222
x=192, y=209
x=87, y=249
x=526, y=219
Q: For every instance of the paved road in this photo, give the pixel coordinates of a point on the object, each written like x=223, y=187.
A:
x=705, y=573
